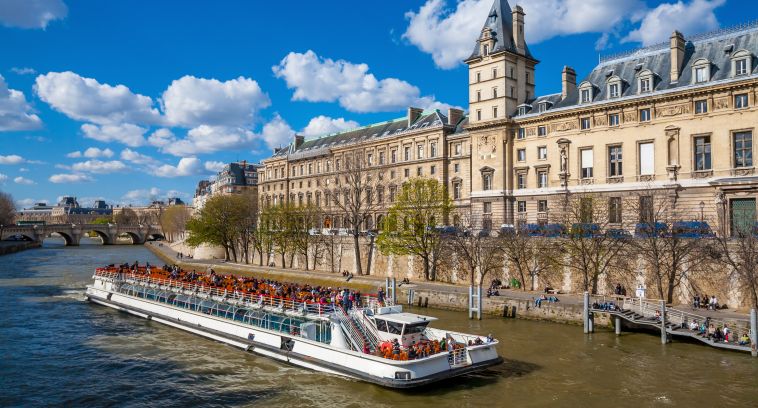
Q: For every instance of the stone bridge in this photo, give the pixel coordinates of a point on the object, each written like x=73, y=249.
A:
x=73, y=233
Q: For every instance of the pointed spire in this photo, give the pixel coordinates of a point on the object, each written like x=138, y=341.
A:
x=499, y=25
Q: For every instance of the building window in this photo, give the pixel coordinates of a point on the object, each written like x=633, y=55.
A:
x=494, y=73
x=419, y=171
x=381, y=158
x=337, y=165
x=433, y=170
x=407, y=153
x=740, y=101
x=328, y=166
x=420, y=151
x=740, y=67
x=615, y=161
x=485, y=49
x=743, y=149
x=587, y=163
x=513, y=92
x=494, y=111
x=456, y=167
x=645, y=115
x=478, y=96
x=370, y=159
x=487, y=181
x=521, y=181
x=393, y=156
x=541, y=130
x=478, y=77
x=433, y=149
x=645, y=85
x=478, y=114
x=456, y=191
x=392, y=174
x=494, y=92
x=647, y=159
x=585, y=210
x=458, y=149
x=701, y=74
x=541, y=179
x=521, y=206
x=521, y=133
x=701, y=106
x=586, y=96
x=647, y=216
x=542, y=206
x=613, y=90
x=584, y=123
x=487, y=207
x=702, y=153
x=407, y=172
x=542, y=153
x=613, y=119
x=614, y=210
x=521, y=155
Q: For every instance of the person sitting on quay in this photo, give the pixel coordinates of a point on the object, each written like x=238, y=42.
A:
x=696, y=302
x=744, y=340
x=693, y=325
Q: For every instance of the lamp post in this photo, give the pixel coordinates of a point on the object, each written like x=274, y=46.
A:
x=702, y=207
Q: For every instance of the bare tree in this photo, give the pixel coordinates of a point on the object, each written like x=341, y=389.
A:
x=352, y=190
x=589, y=246
x=739, y=250
x=477, y=248
x=7, y=211
x=529, y=255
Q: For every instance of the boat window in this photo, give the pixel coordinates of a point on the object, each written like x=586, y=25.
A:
x=394, y=328
x=381, y=325
x=415, y=328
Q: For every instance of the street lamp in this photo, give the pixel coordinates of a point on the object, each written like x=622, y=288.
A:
x=702, y=207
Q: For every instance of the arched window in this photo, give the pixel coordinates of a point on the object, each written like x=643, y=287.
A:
x=701, y=71
x=742, y=63
x=586, y=92
x=645, y=82
x=615, y=87
x=487, y=174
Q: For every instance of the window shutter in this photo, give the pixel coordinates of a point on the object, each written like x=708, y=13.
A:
x=647, y=158
x=587, y=158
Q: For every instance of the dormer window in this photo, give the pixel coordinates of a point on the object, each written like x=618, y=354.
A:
x=645, y=82
x=543, y=106
x=701, y=71
x=614, y=87
x=524, y=109
x=485, y=49
x=585, y=92
x=741, y=63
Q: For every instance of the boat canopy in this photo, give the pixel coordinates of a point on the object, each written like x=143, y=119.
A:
x=406, y=318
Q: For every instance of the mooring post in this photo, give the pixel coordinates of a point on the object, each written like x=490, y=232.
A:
x=479, y=302
x=470, y=302
x=753, y=327
x=586, y=312
x=394, y=291
x=664, y=335
x=618, y=326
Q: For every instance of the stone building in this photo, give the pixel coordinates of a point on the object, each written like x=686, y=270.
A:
x=235, y=178
x=675, y=118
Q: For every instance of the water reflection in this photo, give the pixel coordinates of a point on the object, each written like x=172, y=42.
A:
x=58, y=350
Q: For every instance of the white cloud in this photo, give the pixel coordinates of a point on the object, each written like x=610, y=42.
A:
x=69, y=178
x=214, y=166
x=31, y=13
x=317, y=79
x=15, y=112
x=3, y=178
x=324, y=125
x=126, y=133
x=28, y=202
x=449, y=35
x=23, y=71
x=136, y=157
x=142, y=195
x=11, y=159
x=209, y=139
x=23, y=180
x=91, y=153
x=100, y=167
x=23, y=169
x=161, y=138
x=689, y=18
x=191, y=101
x=277, y=132
x=187, y=166
x=87, y=99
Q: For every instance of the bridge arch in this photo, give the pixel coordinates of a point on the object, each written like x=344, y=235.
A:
x=8, y=235
x=68, y=238
x=156, y=236
x=136, y=238
x=103, y=235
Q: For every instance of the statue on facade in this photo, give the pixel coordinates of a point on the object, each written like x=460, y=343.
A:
x=564, y=160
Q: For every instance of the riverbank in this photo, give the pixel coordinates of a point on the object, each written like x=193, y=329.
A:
x=11, y=247
x=510, y=303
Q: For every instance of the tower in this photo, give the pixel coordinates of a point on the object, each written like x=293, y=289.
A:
x=501, y=68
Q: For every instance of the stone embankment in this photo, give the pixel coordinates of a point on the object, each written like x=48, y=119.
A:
x=10, y=247
x=510, y=303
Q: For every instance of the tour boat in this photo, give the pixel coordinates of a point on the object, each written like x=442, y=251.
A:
x=369, y=342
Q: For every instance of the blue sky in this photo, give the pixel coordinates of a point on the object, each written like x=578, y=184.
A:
x=129, y=101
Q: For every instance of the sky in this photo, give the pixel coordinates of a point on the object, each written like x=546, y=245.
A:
x=139, y=100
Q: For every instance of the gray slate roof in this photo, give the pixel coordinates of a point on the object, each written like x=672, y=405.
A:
x=500, y=22
x=717, y=47
x=321, y=145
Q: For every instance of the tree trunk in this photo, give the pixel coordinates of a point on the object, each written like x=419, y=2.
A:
x=426, y=268
x=358, y=266
x=370, y=255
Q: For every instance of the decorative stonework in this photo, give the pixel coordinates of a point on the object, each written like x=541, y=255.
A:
x=674, y=110
x=601, y=120
x=721, y=103
x=748, y=171
x=646, y=177
x=630, y=117
x=702, y=174
x=531, y=131
x=586, y=181
x=614, y=180
x=563, y=127
x=486, y=145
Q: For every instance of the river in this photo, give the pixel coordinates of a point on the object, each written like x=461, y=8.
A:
x=57, y=349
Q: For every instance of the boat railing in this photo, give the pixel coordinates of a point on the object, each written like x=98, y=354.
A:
x=457, y=357
x=226, y=295
x=366, y=326
x=356, y=338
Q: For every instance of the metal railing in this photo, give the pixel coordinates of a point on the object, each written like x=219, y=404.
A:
x=356, y=339
x=368, y=329
x=457, y=357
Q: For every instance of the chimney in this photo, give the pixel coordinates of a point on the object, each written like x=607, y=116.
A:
x=518, y=29
x=677, y=55
x=414, y=114
x=454, y=116
x=568, y=81
x=299, y=139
